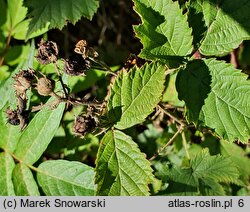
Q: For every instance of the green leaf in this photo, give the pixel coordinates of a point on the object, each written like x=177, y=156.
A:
x=228, y=25
x=238, y=156
x=202, y=176
x=7, y=165
x=38, y=134
x=9, y=134
x=182, y=182
x=3, y=14
x=210, y=187
x=121, y=169
x=58, y=12
x=196, y=21
x=6, y=89
x=65, y=178
x=135, y=94
x=22, y=28
x=218, y=95
x=164, y=31
x=217, y=167
x=170, y=94
x=24, y=182
x=193, y=86
x=17, y=12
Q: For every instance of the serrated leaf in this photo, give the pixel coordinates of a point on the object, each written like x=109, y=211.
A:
x=210, y=187
x=9, y=134
x=121, y=169
x=238, y=156
x=182, y=182
x=24, y=182
x=38, y=134
x=196, y=20
x=228, y=25
x=164, y=31
x=7, y=165
x=135, y=94
x=218, y=95
x=58, y=12
x=66, y=178
x=217, y=167
x=202, y=176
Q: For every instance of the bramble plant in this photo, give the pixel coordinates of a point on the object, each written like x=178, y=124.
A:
x=172, y=120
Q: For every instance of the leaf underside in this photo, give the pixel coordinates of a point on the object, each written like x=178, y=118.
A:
x=38, y=134
x=24, y=182
x=66, y=178
x=7, y=165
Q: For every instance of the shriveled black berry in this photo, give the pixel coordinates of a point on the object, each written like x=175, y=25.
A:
x=84, y=123
x=76, y=65
x=12, y=117
x=47, y=52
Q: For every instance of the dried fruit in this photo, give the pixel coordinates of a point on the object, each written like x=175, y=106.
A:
x=21, y=104
x=23, y=81
x=84, y=123
x=47, y=52
x=83, y=49
x=76, y=65
x=12, y=117
x=45, y=86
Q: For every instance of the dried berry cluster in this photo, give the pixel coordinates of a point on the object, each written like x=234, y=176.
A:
x=23, y=81
x=75, y=65
x=86, y=122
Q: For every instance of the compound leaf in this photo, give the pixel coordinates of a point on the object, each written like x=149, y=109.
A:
x=135, y=94
x=164, y=31
x=121, y=169
x=202, y=176
x=66, y=178
x=217, y=94
x=217, y=167
x=227, y=23
x=24, y=182
x=58, y=12
x=7, y=165
x=38, y=134
x=238, y=156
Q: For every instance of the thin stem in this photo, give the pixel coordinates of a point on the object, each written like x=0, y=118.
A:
x=60, y=100
x=102, y=64
x=184, y=142
x=170, y=71
x=6, y=47
x=21, y=162
x=60, y=79
x=180, y=129
x=83, y=102
x=171, y=116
